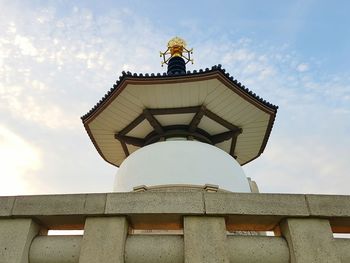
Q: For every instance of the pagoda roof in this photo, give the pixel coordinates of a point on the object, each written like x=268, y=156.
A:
x=256, y=110
x=216, y=68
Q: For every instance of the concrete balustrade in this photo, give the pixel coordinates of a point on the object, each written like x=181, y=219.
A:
x=170, y=249
x=167, y=249
x=306, y=223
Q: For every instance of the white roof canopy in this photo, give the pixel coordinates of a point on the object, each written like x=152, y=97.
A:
x=207, y=106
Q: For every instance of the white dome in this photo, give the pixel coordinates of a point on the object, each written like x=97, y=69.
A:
x=181, y=162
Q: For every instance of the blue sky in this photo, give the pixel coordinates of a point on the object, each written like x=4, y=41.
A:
x=58, y=58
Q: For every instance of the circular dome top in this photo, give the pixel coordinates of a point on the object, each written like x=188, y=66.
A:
x=181, y=163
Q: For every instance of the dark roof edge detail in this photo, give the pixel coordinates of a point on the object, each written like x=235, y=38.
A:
x=216, y=68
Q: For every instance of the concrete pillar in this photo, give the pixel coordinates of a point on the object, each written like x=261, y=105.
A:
x=205, y=239
x=104, y=240
x=343, y=248
x=16, y=235
x=310, y=241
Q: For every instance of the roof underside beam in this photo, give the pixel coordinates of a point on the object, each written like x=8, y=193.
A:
x=221, y=121
x=197, y=119
x=153, y=121
x=189, y=131
x=233, y=145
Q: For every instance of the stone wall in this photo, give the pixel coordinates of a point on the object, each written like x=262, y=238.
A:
x=203, y=224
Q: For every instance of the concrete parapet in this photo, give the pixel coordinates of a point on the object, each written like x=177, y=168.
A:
x=205, y=239
x=59, y=211
x=242, y=211
x=104, y=240
x=310, y=240
x=329, y=205
x=255, y=204
x=144, y=208
x=6, y=205
x=335, y=207
x=16, y=235
x=155, y=203
x=55, y=249
x=76, y=204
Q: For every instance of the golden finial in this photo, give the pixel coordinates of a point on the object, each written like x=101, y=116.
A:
x=177, y=48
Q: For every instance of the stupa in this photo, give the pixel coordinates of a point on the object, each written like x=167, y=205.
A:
x=180, y=128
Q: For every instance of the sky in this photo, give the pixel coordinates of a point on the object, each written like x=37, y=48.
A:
x=58, y=58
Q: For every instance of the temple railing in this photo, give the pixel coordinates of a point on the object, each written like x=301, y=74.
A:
x=175, y=227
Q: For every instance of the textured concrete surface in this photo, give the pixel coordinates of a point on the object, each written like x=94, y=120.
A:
x=155, y=202
x=336, y=207
x=329, y=205
x=95, y=204
x=6, y=204
x=205, y=240
x=255, y=204
x=55, y=249
x=180, y=202
x=77, y=204
x=343, y=248
x=310, y=241
x=243, y=211
x=155, y=249
x=143, y=208
x=104, y=240
x=257, y=249
x=16, y=236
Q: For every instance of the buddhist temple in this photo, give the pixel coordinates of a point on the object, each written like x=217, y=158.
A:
x=179, y=140
x=180, y=127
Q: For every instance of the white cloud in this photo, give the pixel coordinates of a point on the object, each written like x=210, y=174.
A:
x=33, y=107
x=303, y=164
x=302, y=67
x=19, y=160
x=55, y=68
x=25, y=45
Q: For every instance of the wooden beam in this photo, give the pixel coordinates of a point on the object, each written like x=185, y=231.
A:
x=153, y=137
x=184, y=128
x=130, y=140
x=196, y=119
x=125, y=148
x=132, y=124
x=233, y=145
x=153, y=121
x=217, y=138
x=221, y=121
x=182, y=110
x=190, y=130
